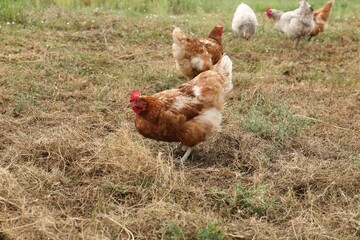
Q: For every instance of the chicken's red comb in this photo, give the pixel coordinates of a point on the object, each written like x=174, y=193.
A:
x=219, y=25
x=268, y=12
x=134, y=95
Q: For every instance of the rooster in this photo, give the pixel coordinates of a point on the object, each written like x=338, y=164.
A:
x=321, y=17
x=295, y=24
x=190, y=113
x=195, y=55
x=244, y=21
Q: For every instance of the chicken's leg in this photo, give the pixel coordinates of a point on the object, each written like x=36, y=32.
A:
x=186, y=155
x=296, y=42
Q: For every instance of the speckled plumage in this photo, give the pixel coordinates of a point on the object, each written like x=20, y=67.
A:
x=321, y=17
x=196, y=55
x=189, y=113
x=295, y=24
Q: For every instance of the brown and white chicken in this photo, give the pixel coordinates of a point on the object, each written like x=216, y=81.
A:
x=190, y=113
x=196, y=55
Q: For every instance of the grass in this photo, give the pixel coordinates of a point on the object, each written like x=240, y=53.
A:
x=210, y=232
x=285, y=166
x=14, y=11
x=253, y=201
x=277, y=122
x=173, y=232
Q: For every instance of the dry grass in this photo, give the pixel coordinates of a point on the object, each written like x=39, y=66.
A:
x=285, y=166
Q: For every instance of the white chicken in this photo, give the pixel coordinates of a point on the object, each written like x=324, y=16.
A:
x=244, y=21
x=295, y=24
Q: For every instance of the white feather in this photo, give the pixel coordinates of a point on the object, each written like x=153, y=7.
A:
x=244, y=21
x=197, y=63
x=224, y=66
x=213, y=116
x=197, y=91
x=206, y=41
x=296, y=23
x=177, y=51
x=182, y=101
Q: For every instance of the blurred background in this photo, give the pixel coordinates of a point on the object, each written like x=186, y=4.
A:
x=18, y=10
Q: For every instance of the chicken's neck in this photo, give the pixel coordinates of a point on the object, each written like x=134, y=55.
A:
x=152, y=109
x=216, y=35
x=276, y=14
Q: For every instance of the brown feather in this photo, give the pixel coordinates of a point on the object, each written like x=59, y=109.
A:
x=180, y=114
x=321, y=17
x=188, y=50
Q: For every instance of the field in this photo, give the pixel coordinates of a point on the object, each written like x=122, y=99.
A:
x=286, y=164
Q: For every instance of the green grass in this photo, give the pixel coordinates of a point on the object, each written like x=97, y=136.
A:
x=23, y=104
x=16, y=10
x=253, y=201
x=276, y=122
x=173, y=232
x=210, y=232
x=13, y=11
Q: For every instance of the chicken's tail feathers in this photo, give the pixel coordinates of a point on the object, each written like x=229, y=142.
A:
x=178, y=45
x=304, y=5
x=328, y=6
x=178, y=35
x=326, y=10
x=224, y=67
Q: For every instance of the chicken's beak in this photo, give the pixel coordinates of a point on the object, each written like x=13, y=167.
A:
x=131, y=104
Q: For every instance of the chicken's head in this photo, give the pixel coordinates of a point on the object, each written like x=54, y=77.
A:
x=217, y=32
x=220, y=28
x=246, y=36
x=138, y=105
x=269, y=13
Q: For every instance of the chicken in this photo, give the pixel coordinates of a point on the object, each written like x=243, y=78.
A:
x=295, y=24
x=321, y=16
x=244, y=21
x=196, y=55
x=190, y=113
